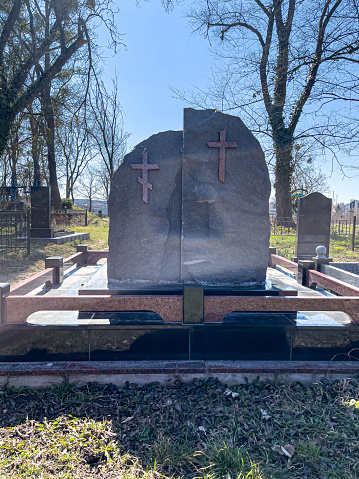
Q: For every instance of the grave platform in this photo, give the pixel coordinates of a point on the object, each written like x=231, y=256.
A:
x=62, y=238
x=88, y=336
x=97, y=284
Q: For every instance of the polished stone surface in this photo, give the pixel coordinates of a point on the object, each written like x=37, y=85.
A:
x=185, y=208
x=351, y=267
x=348, y=274
x=40, y=212
x=313, y=225
x=241, y=336
x=144, y=238
x=31, y=343
x=221, y=220
x=138, y=344
x=110, y=335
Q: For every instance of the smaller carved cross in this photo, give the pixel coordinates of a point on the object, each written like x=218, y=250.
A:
x=222, y=145
x=144, y=166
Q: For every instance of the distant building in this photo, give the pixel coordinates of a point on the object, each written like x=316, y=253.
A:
x=96, y=205
x=352, y=209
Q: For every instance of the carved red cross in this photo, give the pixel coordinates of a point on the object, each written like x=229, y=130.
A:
x=144, y=166
x=222, y=145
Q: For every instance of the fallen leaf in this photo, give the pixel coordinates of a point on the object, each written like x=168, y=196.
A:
x=178, y=407
x=287, y=450
x=229, y=392
x=167, y=401
x=127, y=419
x=265, y=414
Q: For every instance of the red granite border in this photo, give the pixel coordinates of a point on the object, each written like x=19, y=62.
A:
x=19, y=308
x=216, y=307
x=327, y=282
x=276, y=260
x=32, y=282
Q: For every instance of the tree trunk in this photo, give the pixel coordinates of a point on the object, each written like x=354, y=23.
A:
x=55, y=192
x=283, y=179
x=50, y=143
x=35, y=147
x=5, y=125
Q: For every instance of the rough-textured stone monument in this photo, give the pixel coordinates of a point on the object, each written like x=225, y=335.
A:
x=313, y=225
x=191, y=207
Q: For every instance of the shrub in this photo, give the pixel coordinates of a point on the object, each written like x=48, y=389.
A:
x=66, y=203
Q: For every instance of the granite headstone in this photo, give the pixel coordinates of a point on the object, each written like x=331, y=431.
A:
x=41, y=212
x=313, y=225
x=191, y=207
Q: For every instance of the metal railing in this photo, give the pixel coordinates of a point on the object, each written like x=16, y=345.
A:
x=283, y=227
x=67, y=218
x=14, y=231
x=342, y=226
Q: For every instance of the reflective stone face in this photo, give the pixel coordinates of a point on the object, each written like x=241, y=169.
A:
x=191, y=207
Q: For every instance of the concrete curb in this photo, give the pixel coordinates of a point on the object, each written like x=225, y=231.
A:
x=41, y=374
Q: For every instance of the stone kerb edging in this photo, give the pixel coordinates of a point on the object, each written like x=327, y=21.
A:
x=19, y=308
x=276, y=260
x=47, y=274
x=32, y=282
x=336, y=271
x=89, y=257
x=333, y=284
x=216, y=307
x=40, y=374
x=16, y=309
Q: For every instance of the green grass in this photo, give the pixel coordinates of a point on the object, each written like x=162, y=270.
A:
x=340, y=247
x=203, y=429
x=16, y=266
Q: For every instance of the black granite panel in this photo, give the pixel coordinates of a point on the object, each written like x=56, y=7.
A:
x=113, y=344
x=40, y=207
x=325, y=344
x=267, y=319
x=123, y=317
x=37, y=343
x=241, y=342
x=41, y=232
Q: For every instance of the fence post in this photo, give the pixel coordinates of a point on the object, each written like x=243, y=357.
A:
x=83, y=248
x=4, y=291
x=28, y=243
x=86, y=218
x=353, y=235
x=57, y=265
x=303, y=267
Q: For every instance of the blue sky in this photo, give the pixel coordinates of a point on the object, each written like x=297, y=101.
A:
x=161, y=52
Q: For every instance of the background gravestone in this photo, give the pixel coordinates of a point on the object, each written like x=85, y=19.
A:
x=41, y=212
x=191, y=207
x=313, y=225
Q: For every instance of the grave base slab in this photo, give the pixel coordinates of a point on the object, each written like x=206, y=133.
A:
x=40, y=374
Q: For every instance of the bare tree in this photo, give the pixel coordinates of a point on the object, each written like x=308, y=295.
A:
x=89, y=186
x=73, y=142
x=285, y=60
x=306, y=175
x=106, y=131
x=41, y=36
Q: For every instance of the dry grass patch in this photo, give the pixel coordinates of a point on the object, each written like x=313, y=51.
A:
x=16, y=266
x=202, y=429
